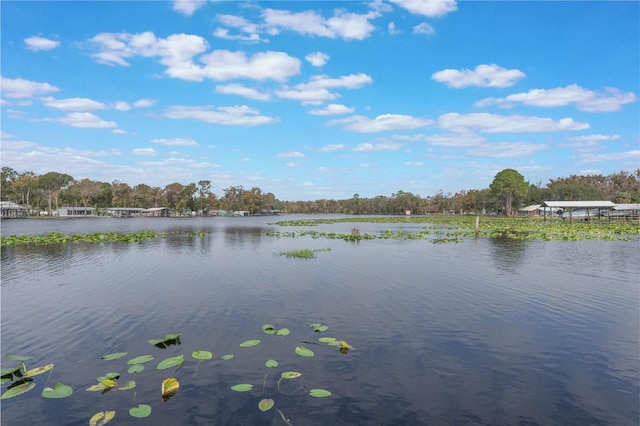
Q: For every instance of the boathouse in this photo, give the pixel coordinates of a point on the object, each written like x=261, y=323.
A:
x=76, y=211
x=12, y=210
x=583, y=210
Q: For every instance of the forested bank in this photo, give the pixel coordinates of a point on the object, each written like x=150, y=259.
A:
x=508, y=192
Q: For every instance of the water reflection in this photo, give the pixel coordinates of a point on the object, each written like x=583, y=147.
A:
x=442, y=334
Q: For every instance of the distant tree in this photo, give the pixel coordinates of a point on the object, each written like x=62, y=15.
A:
x=24, y=184
x=87, y=190
x=507, y=185
x=7, y=176
x=51, y=184
x=204, y=189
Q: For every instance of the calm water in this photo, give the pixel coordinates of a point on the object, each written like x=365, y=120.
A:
x=486, y=332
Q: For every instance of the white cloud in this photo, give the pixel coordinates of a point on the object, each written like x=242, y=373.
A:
x=187, y=7
x=424, y=28
x=332, y=109
x=349, y=26
x=250, y=30
x=121, y=106
x=36, y=43
x=293, y=164
x=455, y=140
x=491, y=123
x=21, y=88
x=175, y=142
x=230, y=116
x=392, y=29
x=610, y=99
x=84, y=120
x=147, y=152
x=381, y=146
x=483, y=76
x=430, y=8
x=290, y=154
x=614, y=156
x=331, y=147
x=382, y=123
x=598, y=137
x=506, y=149
x=351, y=81
x=144, y=103
x=227, y=65
x=73, y=104
x=317, y=59
x=307, y=96
x=247, y=92
x=414, y=163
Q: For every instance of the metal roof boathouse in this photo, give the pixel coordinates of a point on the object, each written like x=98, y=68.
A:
x=585, y=210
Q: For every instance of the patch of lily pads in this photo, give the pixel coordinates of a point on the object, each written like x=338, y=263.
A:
x=20, y=378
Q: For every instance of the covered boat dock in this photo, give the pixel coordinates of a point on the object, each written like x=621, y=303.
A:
x=592, y=209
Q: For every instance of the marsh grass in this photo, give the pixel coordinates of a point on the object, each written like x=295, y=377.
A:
x=302, y=253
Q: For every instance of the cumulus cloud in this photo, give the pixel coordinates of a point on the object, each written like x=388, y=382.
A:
x=36, y=43
x=250, y=31
x=178, y=51
x=290, y=154
x=482, y=76
x=431, y=9
x=175, y=142
x=381, y=146
x=382, y=123
x=609, y=99
x=351, y=81
x=73, y=104
x=144, y=103
x=147, y=152
x=244, y=91
x=492, y=123
x=424, y=28
x=187, y=7
x=230, y=116
x=317, y=59
x=348, y=26
x=332, y=109
x=331, y=147
x=633, y=156
x=84, y=120
x=20, y=88
x=306, y=96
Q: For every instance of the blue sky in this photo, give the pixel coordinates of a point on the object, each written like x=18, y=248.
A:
x=313, y=100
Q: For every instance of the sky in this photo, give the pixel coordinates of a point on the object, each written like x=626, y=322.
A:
x=320, y=99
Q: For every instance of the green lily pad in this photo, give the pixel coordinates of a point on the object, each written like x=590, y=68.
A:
x=168, y=340
x=129, y=385
x=57, y=392
x=140, y=359
x=99, y=387
x=202, y=355
x=268, y=329
x=249, y=343
x=15, y=357
x=135, y=368
x=242, y=387
x=290, y=375
x=283, y=332
x=111, y=357
x=271, y=363
x=140, y=411
x=4, y=380
x=302, y=351
x=319, y=393
x=227, y=357
x=174, y=361
x=101, y=418
x=38, y=370
x=18, y=390
x=265, y=404
x=326, y=339
x=110, y=376
x=10, y=372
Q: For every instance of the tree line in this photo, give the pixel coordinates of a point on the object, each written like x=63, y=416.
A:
x=507, y=192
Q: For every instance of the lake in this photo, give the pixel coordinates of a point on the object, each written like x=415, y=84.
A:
x=482, y=332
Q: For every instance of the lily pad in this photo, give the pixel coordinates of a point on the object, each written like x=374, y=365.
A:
x=57, y=392
x=129, y=385
x=17, y=390
x=174, y=361
x=170, y=387
x=140, y=359
x=99, y=387
x=15, y=357
x=140, y=411
x=135, y=368
x=202, y=355
x=268, y=329
x=38, y=370
x=265, y=404
x=271, y=363
x=10, y=372
x=327, y=339
x=111, y=357
x=227, y=357
x=302, y=351
x=168, y=340
x=111, y=376
x=319, y=393
x=101, y=418
x=290, y=375
x=242, y=387
x=249, y=343
x=283, y=332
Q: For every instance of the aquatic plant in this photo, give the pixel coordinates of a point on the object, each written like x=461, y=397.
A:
x=302, y=254
x=99, y=238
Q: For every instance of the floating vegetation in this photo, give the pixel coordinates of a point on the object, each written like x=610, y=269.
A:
x=56, y=238
x=22, y=377
x=454, y=229
x=302, y=254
